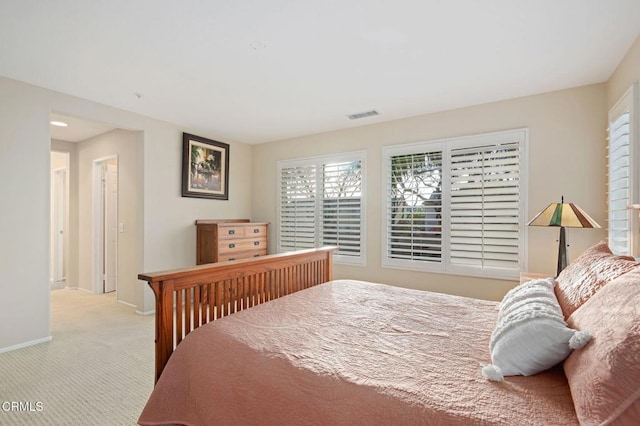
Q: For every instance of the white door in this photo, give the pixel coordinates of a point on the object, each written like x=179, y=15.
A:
x=110, y=226
x=59, y=189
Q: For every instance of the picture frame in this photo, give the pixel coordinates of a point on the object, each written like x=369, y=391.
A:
x=205, y=168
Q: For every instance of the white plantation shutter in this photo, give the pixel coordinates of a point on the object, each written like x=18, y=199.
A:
x=297, y=207
x=485, y=206
x=455, y=205
x=414, y=220
x=622, y=174
x=619, y=185
x=342, y=206
x=321, y=204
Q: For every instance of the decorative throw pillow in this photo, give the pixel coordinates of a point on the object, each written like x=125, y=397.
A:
x=583, y=277
x=605, y=377
x=531, y=334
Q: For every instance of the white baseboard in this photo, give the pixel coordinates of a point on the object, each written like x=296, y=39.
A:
x=79, y=288
x=26, y=344
x=127, y=304
x=137, y=311
x=57, y=285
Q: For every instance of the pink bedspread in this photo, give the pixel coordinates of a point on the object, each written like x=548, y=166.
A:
x=347, y=353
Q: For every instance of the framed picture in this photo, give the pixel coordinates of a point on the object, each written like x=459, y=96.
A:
x=205, y=168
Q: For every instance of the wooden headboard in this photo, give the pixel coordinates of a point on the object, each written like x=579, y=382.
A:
x=190, y=297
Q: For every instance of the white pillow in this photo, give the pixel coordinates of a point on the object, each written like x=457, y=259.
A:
x=531, y=334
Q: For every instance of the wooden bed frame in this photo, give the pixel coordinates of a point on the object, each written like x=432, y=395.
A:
x=190, y=297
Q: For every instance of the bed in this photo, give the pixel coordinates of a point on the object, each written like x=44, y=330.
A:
x=275, y=340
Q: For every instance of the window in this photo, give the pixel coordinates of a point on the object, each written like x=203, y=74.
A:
x=454, y=205
x=322, y=203
x=622, y=173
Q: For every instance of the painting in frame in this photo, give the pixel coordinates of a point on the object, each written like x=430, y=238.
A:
x=205, y=168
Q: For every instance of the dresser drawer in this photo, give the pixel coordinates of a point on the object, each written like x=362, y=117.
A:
x=255, y=231
x=223, y=257
x=241, y=231
x=231, y=246
x=231, y=232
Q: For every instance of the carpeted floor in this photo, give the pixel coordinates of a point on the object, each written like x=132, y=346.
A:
x=97, y=370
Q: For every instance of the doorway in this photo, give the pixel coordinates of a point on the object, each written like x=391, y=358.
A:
x=59, y=218
x=105, y=224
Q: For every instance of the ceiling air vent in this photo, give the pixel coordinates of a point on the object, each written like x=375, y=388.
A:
x=363, y=114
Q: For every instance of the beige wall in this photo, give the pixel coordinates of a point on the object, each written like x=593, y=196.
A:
x=167, y=235
x=24, y=209
x=566, y=157
x=627, y=72
x=58, y=161
x=127, y=146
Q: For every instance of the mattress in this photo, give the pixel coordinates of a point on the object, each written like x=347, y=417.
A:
x=349, y=352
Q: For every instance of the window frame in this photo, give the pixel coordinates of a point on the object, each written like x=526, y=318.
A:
x=318, y=162
x=446, y=146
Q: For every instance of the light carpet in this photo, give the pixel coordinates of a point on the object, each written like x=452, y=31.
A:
x=97, y=370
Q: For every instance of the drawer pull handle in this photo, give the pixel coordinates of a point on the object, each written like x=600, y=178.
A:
x=232, y=231
x=256, y=243
x=232, y=258
x=256, y=230
x=232, y=246
x=256, y=255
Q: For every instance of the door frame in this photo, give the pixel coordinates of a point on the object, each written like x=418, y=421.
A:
x=98, y=196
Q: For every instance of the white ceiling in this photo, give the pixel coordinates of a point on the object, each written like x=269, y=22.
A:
x=256, y=71
x=77, y=129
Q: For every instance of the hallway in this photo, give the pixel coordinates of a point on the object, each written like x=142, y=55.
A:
x=98, y=369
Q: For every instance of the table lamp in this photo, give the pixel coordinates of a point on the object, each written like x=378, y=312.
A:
x=563, y=215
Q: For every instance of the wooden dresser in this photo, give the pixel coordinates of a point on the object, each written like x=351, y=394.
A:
x=222, y=240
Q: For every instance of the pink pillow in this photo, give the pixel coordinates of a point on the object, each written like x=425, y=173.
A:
x=604, y=377
x=583, y=277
